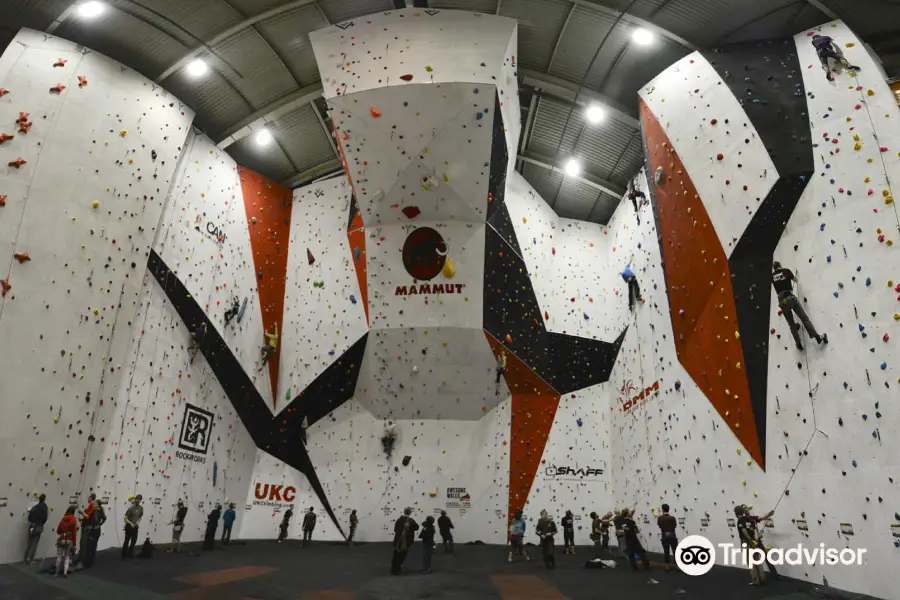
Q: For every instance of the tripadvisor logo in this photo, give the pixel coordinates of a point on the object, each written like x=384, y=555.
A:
x=696, y=555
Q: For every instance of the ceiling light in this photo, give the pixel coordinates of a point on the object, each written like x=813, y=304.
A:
x=263, y=137
x=197, y=68
x=595, y=114
x=91, y=9
x=642, y=36
x=573, y=168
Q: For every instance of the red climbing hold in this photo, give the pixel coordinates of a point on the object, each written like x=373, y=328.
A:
x=508, y=339
x=374, y=112
x=546, y=315
x=406, y=77
x=57, y=89
x=5, y=137
x=3, y=92
x=2, y=199
x=553, y=251
x=82, y=81
x=411, y=212
x=309, y=257
x=714, y=121
x=4, y=284
x=23, y=116
x=17, y=163
x=720, y=156
x=25, y=126
x=21, y=257
x=60, y=62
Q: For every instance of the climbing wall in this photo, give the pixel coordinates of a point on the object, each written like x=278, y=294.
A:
x=89, y=153
x=205, y=240
x=149, y=450
x=818, y=161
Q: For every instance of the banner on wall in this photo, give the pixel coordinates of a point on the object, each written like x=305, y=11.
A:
x=573, y=473
x=631, y=397
x=277, y=496
x=196, y=432
x=458, y=497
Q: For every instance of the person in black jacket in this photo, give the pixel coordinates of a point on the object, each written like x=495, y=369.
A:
x=97, y=519
x=427, y=537
x=404, y=537
x=37, y=517
x=782, y=281
x=212, y=523
x=285, y=523
x=309, y=523
x=632, y=543
x=444, y=526
x=568, y=524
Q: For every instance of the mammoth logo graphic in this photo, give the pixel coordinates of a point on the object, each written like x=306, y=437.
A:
x=195, y=429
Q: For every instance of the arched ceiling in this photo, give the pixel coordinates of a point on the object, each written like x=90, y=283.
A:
x=571, y=53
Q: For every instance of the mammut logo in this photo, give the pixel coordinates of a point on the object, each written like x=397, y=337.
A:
x=424, y=253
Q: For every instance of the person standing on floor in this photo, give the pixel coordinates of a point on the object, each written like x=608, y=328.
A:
x=517, y=528
x=568, y=524
x=133, y=517
x=285, y=524
x=227, y=523
x=37, y=517
x=85, y=516
x=546, y=529
x=212, y=523
x=617, y=521
x=309, y=523
x=749, y=534
x=600, y=534
x=667, y=524
x=632, y=543
x=354, y=522
x=67, y=532
x=782, y=281
x=404, y=537
x=177, y=526
x=445, y=525
x=427, y=537
x=98, y=518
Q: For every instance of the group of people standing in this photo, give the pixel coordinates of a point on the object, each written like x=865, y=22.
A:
x=70, y=550
x=308, y=525
x=405, y=536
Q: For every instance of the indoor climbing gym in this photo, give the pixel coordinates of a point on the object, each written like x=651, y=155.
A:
x=449, y=299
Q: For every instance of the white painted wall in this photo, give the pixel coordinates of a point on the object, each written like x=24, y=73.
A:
x=830, y=459
x=72, y=307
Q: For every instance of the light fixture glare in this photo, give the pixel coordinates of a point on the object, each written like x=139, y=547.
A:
x=642, y=37
x=595, y=114
x=91, y=9
x=573, y=167
x=197, y=68
x=263, y=137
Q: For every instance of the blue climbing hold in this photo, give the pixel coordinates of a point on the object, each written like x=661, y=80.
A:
x=586, y=317
x=356, y=253
x=854, y=463
x=579, y=421
x=883, y=366
x=868, y=281
x=822, y=227
x=835, y=294
x=861, y=327
x=352, y=299
x=827, y=165
x=858, y=269
x=828, y=259
x=331, y=352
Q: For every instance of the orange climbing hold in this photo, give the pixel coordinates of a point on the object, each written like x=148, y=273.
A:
x=5, y=137
x=4, y=286
x=25, y=126
x=17, y=163
x=3, y=92
x=60, y=62
x=57, y=89
x=2, y=199
x=374, y=112
x=23, y=116
x=82, y=81
x=21, y=257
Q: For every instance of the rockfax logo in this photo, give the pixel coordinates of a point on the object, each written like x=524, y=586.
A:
x=696, y=555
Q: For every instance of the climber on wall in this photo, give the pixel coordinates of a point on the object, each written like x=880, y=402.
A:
x=782, y=281
x=198, y=334
x=269, y=347
x=501, y=366
x=827, y=49
x=634, y=290
x=309, y=523
x=232, y=312
x=634, y=195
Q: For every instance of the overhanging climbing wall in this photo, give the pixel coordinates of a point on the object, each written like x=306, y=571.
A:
x=826, y=212
x=83, y=180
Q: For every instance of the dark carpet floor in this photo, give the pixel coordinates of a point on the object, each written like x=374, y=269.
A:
x=324, y=571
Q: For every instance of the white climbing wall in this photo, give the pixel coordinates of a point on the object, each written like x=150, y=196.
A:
x=84, y=206
x=831, y=462
x=320, y=323
x=204, y=239
x=143, y=449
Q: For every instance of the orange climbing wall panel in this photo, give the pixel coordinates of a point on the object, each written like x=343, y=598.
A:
x=532, y=411
x=701, y=298
x=270, y=204
x=357, y=237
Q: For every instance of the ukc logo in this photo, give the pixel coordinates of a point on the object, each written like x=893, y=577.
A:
x=196, y=429
x=424, y=253
x=695, y=555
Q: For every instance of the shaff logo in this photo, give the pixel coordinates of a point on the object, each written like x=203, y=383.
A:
x=695, y=555
x=196, y=428
x=567, y=471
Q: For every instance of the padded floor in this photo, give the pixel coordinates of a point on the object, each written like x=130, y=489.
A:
x=266, y=570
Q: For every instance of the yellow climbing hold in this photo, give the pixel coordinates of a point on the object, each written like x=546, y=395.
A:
x=123, y=133
x=428, y=68
x=857, y=146
x=449, y=269
x=870, y=92
x=849, y=44
x=524, y=219
x=739, y=451
x=95, y=203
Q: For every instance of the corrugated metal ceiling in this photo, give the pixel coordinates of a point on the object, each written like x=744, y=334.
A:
x=263, y=63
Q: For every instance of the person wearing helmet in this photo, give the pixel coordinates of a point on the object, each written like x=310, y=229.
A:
x=827, y=50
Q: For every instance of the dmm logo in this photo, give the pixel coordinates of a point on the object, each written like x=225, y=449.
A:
x=643, y=396
x=275, y=493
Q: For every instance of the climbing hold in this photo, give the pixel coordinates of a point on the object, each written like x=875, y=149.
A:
x=720, y=156
x=309, y=257
x=883, y=366
x=123, y=133
x=253, y=219
x=429, y=182
x=407, y=77
x=713, y=121
x=374, y=112
x=659, y=175
x=21, y=257
x=352, y=299
x=449, y=269
x=677, y=384
x=4, y=286
x=17, y=163
x=411, y=212
x=356, y=252
x=60, y=62
x=406, y=460
x=428, y=68
x=82, y=81
x=508, y=339
x=95, y=203
x=579, y=422
x=3, y=92
x=5, y=137
x=57, y=89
